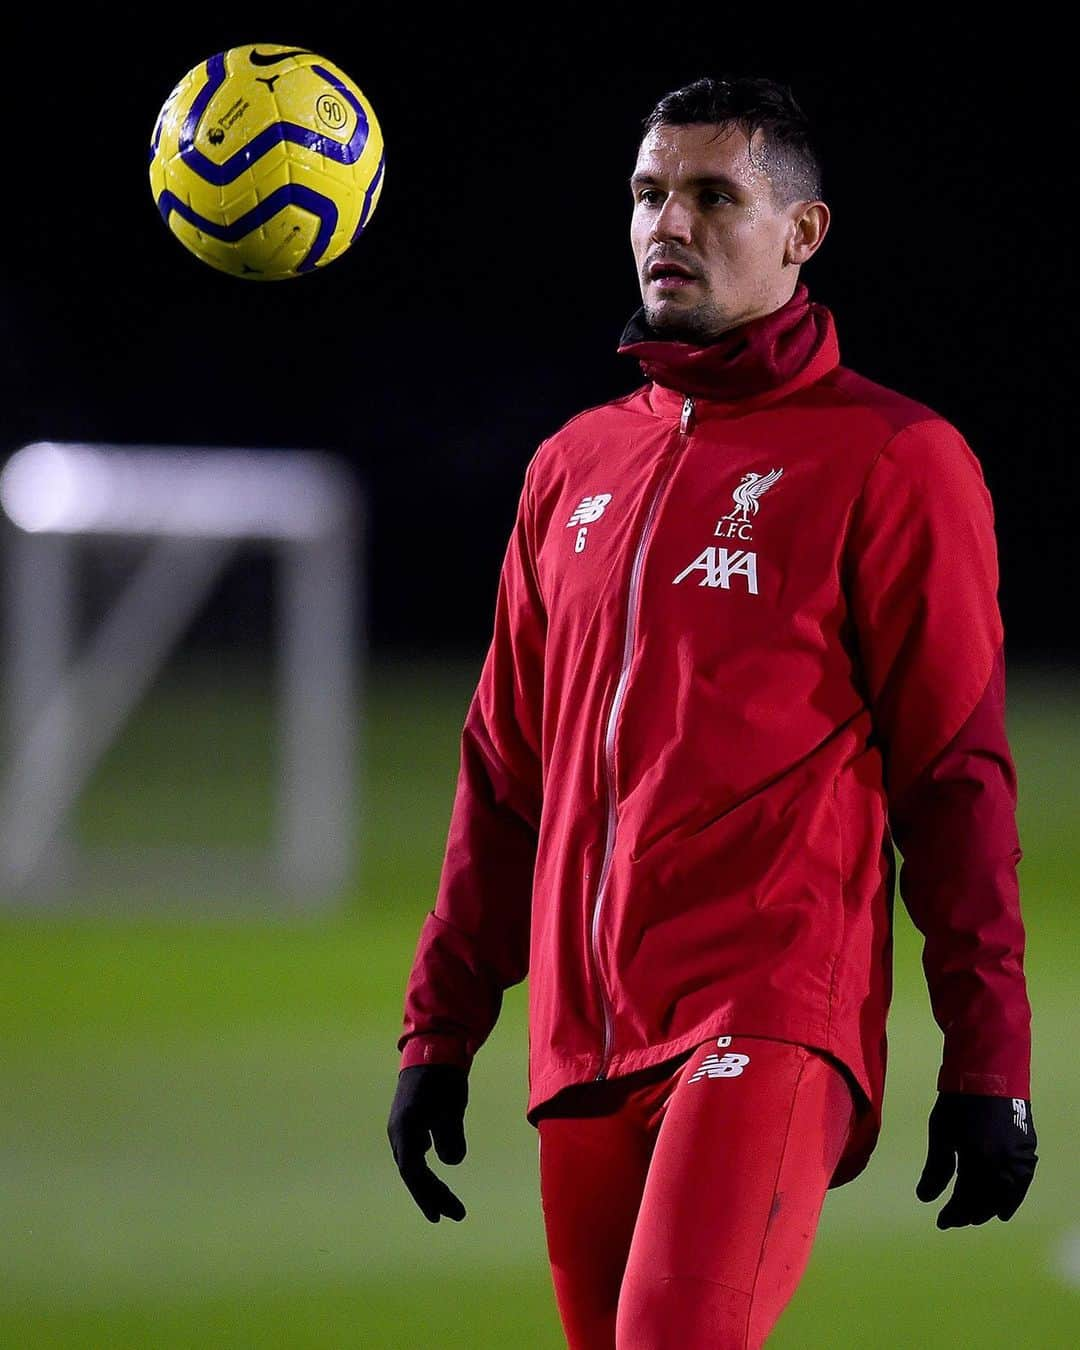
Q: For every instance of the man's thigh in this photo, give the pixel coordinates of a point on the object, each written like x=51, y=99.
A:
x=594, y=1157
x=750, y=1137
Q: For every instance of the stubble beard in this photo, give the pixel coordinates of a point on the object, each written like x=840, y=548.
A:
x=700, y=323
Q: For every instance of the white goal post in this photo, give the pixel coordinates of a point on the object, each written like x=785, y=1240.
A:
x=193, y=507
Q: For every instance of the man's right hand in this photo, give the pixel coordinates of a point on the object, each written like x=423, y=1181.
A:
x=429, y=1105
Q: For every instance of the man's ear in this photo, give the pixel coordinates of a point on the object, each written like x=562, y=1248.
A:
x=809, y=225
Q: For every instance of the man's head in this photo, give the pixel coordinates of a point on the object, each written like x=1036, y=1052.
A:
x=727, y=205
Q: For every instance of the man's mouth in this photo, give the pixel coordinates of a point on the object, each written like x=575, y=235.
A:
x=670, y=276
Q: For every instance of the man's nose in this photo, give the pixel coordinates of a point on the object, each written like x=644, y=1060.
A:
x=673, y=221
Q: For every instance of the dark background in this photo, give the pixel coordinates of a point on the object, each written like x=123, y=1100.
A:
x=483, y=304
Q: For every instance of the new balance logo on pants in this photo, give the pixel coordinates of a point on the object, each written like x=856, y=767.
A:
x=729, y=1065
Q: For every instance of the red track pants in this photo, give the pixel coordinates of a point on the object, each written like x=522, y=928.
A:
x=681, y=1202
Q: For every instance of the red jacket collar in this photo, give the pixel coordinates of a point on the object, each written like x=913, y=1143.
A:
x=758, y=362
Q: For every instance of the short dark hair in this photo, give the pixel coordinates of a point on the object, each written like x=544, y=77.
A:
x=753, y=103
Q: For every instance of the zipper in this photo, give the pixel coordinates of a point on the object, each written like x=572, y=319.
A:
x=629, y=634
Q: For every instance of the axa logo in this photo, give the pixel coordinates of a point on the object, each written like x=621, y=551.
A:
x=589, y=509
x=718, y=567
x=729, y=1065
x=747, y=498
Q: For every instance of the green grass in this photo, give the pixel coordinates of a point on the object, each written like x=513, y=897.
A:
x=192, y=1113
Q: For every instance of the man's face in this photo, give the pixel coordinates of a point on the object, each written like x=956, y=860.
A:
x=704, y=208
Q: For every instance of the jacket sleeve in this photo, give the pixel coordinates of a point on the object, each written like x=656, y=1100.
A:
x=922, y=580
x=474, y=944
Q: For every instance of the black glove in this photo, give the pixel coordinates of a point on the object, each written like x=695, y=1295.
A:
x=429, y=1104
x=990, y=1141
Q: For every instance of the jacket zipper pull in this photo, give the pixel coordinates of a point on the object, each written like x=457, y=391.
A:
x=687, y=418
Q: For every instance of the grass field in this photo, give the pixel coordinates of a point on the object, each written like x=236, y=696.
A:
x=192, y=1111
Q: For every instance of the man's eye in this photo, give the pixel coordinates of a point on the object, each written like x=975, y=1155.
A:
x=715, y=198
x=649, y=196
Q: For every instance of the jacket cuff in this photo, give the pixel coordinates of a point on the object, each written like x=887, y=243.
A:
x=434, y=1048
x=985, y=1084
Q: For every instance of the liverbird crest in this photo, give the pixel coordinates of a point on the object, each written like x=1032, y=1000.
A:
x=748, y=492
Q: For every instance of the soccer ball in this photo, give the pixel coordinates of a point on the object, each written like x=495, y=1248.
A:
x=266, y=161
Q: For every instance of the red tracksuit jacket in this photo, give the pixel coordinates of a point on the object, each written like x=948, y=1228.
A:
x=746, y=635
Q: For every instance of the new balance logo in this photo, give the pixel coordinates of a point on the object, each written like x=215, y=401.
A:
x=729, y=1065
x=718, y=566
x=1020, y=1113
x=589, y=509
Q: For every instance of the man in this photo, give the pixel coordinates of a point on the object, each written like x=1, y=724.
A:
x=746, y=636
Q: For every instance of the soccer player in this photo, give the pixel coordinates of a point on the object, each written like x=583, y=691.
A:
x=746, y=637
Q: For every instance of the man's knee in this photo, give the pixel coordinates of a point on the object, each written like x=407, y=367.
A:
x=681, y=1312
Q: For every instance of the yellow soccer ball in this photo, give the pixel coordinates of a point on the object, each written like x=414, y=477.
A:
x=266, y=161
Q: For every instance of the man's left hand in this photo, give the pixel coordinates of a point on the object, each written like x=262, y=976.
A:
x=990, y=1143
